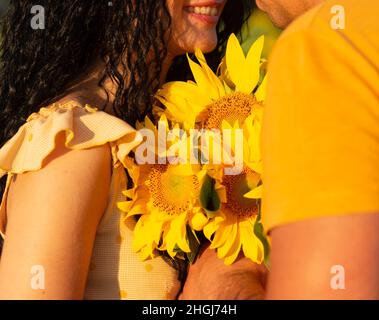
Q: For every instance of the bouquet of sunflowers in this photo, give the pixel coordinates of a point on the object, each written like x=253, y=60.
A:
x=197, y=175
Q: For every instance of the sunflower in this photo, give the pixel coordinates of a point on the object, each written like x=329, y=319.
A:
x=232, y=100
x=166, y=197
x=212, y=99
x=174, y=202
x=233, y=228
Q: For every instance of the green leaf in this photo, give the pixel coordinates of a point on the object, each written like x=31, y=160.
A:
x=194, y=245
x=209, y=198
x=260, y=233
x=177, y=249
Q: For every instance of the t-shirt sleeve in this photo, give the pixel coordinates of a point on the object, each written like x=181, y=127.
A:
x=321, y=128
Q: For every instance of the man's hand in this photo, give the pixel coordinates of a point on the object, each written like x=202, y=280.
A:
x=210, y=279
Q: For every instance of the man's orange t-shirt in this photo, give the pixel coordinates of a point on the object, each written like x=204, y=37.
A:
x=321, y=123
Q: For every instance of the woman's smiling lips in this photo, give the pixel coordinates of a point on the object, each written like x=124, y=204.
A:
x=206, y=11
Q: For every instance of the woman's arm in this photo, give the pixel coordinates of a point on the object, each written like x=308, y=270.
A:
x=53, y=215
x=210, y=279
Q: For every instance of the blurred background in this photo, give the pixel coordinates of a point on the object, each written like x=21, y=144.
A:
x=257, y=25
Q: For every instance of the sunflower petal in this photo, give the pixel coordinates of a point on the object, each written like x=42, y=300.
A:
x=222, y=234
x=185, y=169
x=179, y=90
x=211, y=75
x=179, y=232
x=253, y=64
x=260, y=94
x=210, y=229
x=202, y=80
x=198, y=221
x=235, y=62
x=256, y=193
x=234, y=251
x=224, y=250
x=139, y=240
x=146, y=253
x=124, y=206
x=251, y=245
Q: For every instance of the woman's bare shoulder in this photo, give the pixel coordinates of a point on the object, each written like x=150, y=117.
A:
x=53, y=215
x=65, y=171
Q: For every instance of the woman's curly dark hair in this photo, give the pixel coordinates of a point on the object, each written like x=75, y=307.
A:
x=38, y=66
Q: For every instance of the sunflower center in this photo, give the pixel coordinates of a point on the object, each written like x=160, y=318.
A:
x=238, y=185
x=171, y=193
x=232, y=107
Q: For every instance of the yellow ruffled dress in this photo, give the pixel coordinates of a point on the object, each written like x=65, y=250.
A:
x=116, y=272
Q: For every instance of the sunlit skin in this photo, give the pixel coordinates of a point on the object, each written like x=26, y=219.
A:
x=191, y=29
x=283, y=12
x=210, y=279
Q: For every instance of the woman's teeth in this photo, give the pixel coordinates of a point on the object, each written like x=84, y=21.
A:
x=208, y=11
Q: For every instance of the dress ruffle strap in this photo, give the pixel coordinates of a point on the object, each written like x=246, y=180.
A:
x=84, y=127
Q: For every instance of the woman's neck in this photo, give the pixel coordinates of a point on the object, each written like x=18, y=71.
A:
x=87, y=90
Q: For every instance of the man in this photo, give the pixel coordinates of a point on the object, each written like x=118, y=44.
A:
x=321, y=161
x=321, y=150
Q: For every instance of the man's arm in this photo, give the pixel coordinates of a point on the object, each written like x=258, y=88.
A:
x=326, y=258
x=321, y=155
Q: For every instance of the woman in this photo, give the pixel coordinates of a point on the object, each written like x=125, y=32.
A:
x=64, y=236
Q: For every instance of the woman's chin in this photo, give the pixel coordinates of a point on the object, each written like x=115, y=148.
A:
x=205, y=45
